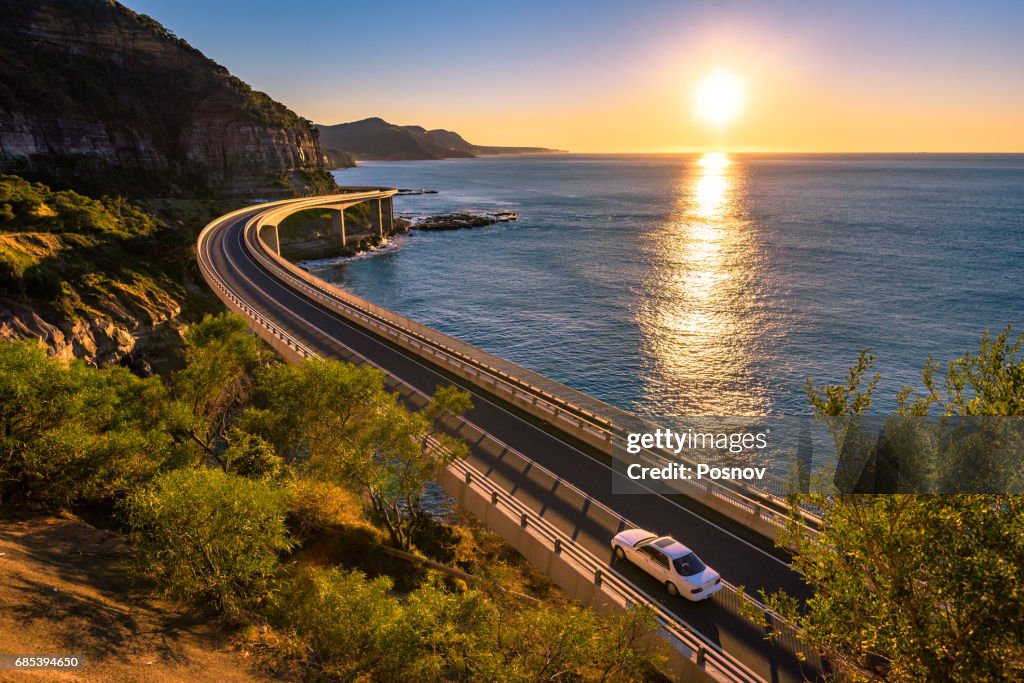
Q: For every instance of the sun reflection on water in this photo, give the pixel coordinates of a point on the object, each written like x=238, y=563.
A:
x=701, y=321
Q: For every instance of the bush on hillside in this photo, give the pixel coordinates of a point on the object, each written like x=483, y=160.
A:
x=71, y=433
x=208, y=535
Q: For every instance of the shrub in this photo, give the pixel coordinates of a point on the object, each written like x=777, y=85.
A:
x=316, y=505
x=250, y=455
x=208, y=535
x=353, y=625
x=356, y=629
x=72, y=433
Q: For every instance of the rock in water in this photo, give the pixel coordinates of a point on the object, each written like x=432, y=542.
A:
x=458, y=221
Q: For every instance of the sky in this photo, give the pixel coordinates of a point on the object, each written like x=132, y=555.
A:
x=824, y=76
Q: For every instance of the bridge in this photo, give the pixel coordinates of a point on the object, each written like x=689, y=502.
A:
x=540, y=452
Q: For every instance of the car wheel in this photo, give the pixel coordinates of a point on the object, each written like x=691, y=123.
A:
x=620, y=554
x=671, y=587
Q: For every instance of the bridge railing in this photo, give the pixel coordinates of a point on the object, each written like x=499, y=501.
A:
x=277, y=335
x=767, y=510
x=624, y=592
x=716, y=661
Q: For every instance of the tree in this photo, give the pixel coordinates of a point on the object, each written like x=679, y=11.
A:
x=842, y=408
x=852, y=398
x=222, y=358
x=914, y=587
x=990, y=382
x=70, y=432
x=919, y=587
x=208, y=535
x=393, y=462
x=340, y=421
x=315, y=409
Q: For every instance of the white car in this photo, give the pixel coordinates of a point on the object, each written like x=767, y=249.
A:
x=669, y=561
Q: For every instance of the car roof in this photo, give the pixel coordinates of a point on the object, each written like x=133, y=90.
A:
x=671, y=547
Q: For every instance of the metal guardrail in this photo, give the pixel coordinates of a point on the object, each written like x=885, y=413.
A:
x=378, y=316
x=241, y=307
x=708, y=654
x=769, y=507
x=627, y=592
x=715, y=660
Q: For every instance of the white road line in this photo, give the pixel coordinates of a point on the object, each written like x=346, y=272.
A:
x=473, y=391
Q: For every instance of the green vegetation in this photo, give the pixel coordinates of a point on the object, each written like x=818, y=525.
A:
x=357, y=435
x=69, y=433
x=266, y=493
x=35, y=208
x=73, y=257
x=207, y=535
x=918, y=587
x=354, y=625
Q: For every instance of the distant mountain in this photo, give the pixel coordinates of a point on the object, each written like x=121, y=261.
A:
x=375, y=138
x=99, y=98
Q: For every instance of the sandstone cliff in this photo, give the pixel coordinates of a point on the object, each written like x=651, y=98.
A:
x=96, y=97
x=118, y=336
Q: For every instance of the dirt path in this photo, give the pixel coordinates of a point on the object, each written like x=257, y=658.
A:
x=63, y=590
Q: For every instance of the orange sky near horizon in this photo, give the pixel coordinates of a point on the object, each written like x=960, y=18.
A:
x=785, y=109
x=791, y=104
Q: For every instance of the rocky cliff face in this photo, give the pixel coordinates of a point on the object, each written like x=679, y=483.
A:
x=96, y=97
x=100, y=100
x=94, y=279
x=116, y=337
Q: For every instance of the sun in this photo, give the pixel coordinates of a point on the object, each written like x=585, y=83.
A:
x=719, y=98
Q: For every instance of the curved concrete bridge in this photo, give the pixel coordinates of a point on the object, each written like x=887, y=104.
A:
x=538, y=450
x=382, y=217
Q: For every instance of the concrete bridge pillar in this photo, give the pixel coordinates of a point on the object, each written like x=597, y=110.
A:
x=377, y=216
x=388, y=214
x=270, y=236
x=338, y=223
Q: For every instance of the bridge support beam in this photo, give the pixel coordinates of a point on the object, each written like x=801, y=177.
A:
x=338, y=223
x=377, y=216
x=388, y=214
x=270, y=236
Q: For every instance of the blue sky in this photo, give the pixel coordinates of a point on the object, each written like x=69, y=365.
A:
x=614, y=76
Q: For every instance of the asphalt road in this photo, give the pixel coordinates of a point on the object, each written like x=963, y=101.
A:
x=741, y=557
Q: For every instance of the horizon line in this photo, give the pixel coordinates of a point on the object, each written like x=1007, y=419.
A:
x=727, y=152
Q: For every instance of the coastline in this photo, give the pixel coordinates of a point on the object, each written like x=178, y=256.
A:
x=612, y=260
x=405, y=225
x=390, y=244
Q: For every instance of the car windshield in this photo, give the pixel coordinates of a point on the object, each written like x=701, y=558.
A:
x=688, y=565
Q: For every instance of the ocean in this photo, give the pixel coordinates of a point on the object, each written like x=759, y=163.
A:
x=708, y=285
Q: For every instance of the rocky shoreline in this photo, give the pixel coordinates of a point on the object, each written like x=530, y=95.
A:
x=460, y=221
x=409, y=223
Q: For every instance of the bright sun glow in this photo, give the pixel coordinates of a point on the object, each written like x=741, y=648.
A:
x=719, y=98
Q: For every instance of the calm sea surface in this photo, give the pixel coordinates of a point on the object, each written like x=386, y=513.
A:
x=691, y=285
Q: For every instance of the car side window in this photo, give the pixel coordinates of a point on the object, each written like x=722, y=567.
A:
x=656, y=555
